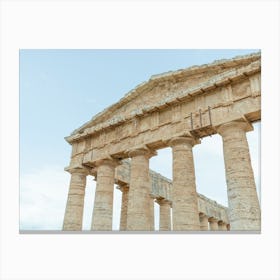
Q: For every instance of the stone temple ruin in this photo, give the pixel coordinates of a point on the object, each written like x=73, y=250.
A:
x=174, y=109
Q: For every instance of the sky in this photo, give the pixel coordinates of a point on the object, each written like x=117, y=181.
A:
x=62, y=89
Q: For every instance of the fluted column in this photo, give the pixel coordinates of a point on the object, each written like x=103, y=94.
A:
x=203, y=221
x=184, y=195
x=213, y=224
x=139, y=206
x=164, y=214
x=123, y=222
x=244, y=208
x=73, y=218
x=103, y=203
x=222, y=225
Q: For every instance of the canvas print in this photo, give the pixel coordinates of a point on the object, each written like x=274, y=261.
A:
x=151, y=141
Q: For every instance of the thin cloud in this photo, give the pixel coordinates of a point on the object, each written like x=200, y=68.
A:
x=43, y=196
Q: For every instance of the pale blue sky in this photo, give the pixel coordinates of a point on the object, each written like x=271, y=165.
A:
x=62, y=89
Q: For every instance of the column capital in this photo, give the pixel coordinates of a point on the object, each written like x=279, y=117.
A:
x=162, y=200
x=234, y=125
x=183, y=140
x=107, y=161
x=77, y=170
x=202, y=215
x=222, y=225
x=93, y=172
x=123, y=187
x=213, y=220
x=142, y=151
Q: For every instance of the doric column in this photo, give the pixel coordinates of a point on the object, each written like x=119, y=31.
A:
x=213, y=224
x=73, y=218
x=203, y=221
x=184, y=196
x=222, y=225
x=139, y=206
x=152, y=214
x=123, y=222
x=244, y=208
x=103, y=202
x=164, y=214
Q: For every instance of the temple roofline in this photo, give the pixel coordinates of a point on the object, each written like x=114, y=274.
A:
x=167, y=76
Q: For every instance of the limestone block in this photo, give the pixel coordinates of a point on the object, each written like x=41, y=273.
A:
x=73, y=217
x=123, y=221
x=203, y=221
x=152, y=215
x=184, y=196
x=103, y=202
x=222, y=226
x=213, y=223
x=138, y=211
x=244, y=208
x=164, y=214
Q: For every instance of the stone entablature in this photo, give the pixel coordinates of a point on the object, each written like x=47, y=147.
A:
x=198, y=111
x=161, y=188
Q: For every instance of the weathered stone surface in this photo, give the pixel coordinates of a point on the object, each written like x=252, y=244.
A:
x=213, y=224
x=123, y=221
x=212, y=209
x=139, y=200
x=73, y=217
x=164, y=214
x=103, y=202
x=203, y=221
x=152, y=215
x=231, y=95
x=244, y=208
x=184, y=196
x=222, y=226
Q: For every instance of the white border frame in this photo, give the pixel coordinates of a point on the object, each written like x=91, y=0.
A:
x=143, y=24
